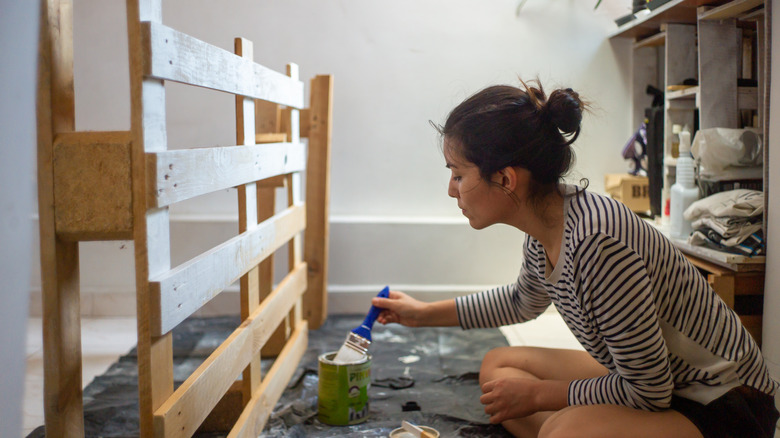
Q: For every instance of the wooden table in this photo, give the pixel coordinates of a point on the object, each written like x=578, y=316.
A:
x=737, y=279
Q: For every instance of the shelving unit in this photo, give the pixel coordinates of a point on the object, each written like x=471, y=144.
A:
x=707, y=42
x=716, y=43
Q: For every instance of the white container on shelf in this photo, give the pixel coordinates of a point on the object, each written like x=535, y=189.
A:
x=684, y=191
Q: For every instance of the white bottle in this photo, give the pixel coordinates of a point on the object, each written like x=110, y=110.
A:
x=684, y=191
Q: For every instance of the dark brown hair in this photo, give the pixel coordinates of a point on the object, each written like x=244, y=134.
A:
x=502, y=126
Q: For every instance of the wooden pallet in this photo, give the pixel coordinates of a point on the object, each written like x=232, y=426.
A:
x=120, y=185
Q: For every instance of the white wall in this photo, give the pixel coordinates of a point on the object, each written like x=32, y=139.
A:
x=18, y=37
x=397, y=65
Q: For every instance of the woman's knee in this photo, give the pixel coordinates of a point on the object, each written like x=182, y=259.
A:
x=498, y=360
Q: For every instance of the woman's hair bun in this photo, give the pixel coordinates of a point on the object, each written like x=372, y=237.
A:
x=564, y=109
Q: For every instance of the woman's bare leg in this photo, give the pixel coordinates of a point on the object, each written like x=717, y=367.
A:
x=603, y=421
x=536, y=363
x=612, y=421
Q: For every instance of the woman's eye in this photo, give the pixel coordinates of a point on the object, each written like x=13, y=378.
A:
x=457, y=178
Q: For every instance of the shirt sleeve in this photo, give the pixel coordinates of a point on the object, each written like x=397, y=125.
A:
x=518, y=302
x=615, y=294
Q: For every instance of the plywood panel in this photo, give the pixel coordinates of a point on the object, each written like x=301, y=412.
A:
x=718, y=69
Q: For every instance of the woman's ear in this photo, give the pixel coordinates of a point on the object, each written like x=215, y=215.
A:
x=514, y=179
x=507, y=178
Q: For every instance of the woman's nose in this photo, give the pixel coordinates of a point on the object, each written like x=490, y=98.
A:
x=452, y=190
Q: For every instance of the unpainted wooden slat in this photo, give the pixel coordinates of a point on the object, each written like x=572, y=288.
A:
x=176, y=56
x=183, y=290
x=177, y=175
x=251, y=422
x=316, y=243
x=266, y=205
x=203, y=389
x=62, y=394
x=267, y=118
x=295, y=197
x=271, y=137
x=304, y=120
x=273, y=182
x=247, y=219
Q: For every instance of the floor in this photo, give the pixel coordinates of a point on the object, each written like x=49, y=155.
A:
x=105, y=339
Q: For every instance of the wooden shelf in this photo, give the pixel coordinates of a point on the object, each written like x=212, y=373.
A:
x=655, y=40
x=747, y=97
x=734, y=9
x=687, y=93
x=675, y=11
x=734, y=262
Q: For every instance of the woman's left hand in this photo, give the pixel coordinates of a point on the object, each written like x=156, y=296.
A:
x=507, y=398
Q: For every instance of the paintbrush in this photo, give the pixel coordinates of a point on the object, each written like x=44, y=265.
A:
x=416, y=430
x=359, y=339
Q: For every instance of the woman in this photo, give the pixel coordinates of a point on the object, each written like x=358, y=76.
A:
x=664, y=356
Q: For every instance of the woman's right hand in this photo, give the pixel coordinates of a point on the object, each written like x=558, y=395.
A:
x=400, y=308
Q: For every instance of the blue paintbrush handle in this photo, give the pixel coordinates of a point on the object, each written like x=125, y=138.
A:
x=365, y=328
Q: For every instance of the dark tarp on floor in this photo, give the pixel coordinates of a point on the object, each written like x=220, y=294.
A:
x=443, y=363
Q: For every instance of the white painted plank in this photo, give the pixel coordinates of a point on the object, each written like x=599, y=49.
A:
x=175, y=56
x=187, y=287
x=185, y=173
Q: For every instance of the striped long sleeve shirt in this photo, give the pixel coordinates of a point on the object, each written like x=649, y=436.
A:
x=635, y=303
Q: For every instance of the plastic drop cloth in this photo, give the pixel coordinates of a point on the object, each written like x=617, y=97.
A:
x=443, y=363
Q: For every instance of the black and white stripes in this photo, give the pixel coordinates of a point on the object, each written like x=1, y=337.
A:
x=635, y=304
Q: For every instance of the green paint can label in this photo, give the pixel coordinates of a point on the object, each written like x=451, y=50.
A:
x=343, y=391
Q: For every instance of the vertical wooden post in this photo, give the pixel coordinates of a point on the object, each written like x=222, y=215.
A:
x=315, y=302
x=266, y=206
x=151, y=227
x=63, y=406
x=247, y=218
x=295, y=246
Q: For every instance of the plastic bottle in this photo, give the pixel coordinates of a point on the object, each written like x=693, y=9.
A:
x=684, y=191
x=676, y=129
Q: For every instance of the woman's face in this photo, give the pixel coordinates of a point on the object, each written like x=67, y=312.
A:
x=480, y=201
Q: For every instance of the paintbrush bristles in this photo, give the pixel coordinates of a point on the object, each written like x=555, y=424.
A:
x=354, y=349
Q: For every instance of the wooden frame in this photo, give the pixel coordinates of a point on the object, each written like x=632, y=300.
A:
x=79, y=200
x=741, y=289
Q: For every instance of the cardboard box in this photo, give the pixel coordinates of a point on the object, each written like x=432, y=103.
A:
x=629, y=189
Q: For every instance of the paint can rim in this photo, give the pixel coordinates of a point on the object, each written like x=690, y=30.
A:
x=327, y=358
x=402, y=433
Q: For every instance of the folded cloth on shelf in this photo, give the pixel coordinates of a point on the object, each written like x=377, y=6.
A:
x=730, y=226
x=750, y=245
x=739, y=203
x=730, y=221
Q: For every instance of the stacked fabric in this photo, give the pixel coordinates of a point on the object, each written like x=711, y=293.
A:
x=730, y=221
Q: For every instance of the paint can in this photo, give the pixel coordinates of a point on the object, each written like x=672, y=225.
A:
x=403, y=433
x=343, y=390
